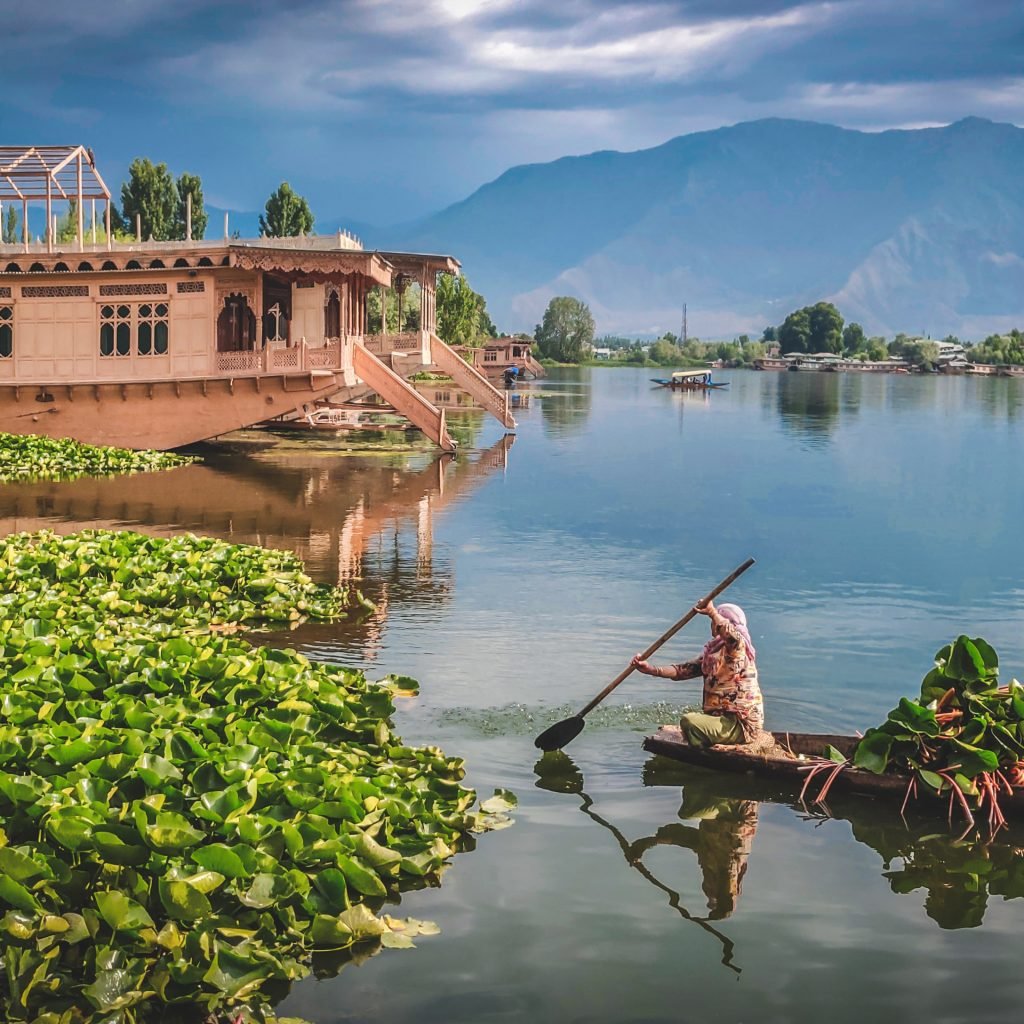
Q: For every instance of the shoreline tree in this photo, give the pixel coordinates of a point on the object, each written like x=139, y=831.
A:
x=190, y=184
x=460, y=311
x=150, y=194
x=287, y=214
x=567, y=330
x=817, y=328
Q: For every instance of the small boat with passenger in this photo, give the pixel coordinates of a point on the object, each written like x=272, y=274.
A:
x=793, y=757
x=689, y=380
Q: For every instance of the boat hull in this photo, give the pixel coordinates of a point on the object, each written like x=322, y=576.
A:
x=159, y=414
x=668, y=742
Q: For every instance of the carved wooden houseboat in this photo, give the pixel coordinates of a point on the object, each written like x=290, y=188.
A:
x=161, y=344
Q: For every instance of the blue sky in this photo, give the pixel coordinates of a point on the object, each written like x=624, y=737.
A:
x=384, y=110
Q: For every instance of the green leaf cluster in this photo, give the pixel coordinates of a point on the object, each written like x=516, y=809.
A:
x=31, y=457
x=110, y=579
x=963, y=724
x=187, y=817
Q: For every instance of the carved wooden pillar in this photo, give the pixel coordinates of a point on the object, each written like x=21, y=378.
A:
x=383, y=311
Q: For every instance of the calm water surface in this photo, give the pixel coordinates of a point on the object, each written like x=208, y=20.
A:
x=515, y=581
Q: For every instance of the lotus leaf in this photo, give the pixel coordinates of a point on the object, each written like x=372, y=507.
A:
x=188, y=816
x=27, y=457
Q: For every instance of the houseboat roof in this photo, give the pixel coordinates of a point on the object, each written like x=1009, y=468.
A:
x=49, y=172
x=307, y=255
x=684, y=374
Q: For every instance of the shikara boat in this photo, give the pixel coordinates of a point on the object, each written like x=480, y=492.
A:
x=690, y=380
x=805, y=747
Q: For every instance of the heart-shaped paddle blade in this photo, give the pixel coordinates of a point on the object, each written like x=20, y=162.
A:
x=560, y=734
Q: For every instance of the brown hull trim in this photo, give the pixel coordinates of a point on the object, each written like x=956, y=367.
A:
x=157, y=414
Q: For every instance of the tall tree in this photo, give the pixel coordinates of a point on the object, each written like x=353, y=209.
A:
x=288, y=214
x=151, y=194
x=854, y=339
x=817, y=328
x=826, y=328
x=190, y=185
x=458, y=311
x=795, y=333
x=566, y=331
x=9, y=229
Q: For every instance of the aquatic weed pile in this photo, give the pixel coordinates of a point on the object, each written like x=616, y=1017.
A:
x=29, y=457
x=186, y=818
x=121, y=579
x=963, y=737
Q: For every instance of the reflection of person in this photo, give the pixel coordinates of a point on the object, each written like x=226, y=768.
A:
x=721, y=840
x=733, y=709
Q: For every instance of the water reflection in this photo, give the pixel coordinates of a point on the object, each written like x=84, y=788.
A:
x=809, y=403
x=557, y=773
x=718, y=818
x=367, y=521
x=566, y=409
x=958, y=873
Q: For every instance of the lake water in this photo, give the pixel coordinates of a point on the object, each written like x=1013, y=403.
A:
x=515, y=581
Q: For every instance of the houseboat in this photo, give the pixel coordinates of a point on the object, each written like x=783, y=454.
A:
x=145, y=344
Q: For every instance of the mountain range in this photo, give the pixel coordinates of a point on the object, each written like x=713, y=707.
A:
x=918, y=230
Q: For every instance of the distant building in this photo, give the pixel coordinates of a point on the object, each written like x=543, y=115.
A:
x=602, y=353
x=951, y=351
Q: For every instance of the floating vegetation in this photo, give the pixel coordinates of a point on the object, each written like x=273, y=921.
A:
x=964, y=736
x=111, y=577
x=523, y=720
x=187, y=818
x=30, y=457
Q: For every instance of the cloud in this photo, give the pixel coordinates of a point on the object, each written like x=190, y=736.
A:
x=420, y=101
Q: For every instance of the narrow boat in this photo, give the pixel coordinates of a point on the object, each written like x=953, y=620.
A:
x=804, y=748
x=689, y=380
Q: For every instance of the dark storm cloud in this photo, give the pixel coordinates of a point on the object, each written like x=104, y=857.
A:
x=393, y=105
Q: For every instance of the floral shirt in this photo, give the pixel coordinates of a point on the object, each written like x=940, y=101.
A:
x=731, y=687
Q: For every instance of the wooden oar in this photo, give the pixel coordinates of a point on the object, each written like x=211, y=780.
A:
x=562, y=733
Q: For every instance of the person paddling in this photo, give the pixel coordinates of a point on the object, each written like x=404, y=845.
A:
x=732, y=708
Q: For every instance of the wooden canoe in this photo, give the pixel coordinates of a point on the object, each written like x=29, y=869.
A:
x=668, y=741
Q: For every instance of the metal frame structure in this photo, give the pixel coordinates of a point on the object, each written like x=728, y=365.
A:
x=48, y=173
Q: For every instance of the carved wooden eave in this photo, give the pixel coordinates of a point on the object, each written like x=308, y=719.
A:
x=414, y=263
x=328, y=265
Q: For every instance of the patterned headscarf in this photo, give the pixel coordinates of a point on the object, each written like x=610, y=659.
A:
x=734, y=613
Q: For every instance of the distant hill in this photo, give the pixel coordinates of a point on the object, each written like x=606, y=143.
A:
x=919, y=231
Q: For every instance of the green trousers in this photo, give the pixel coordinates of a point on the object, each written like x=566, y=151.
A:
x=701, y=730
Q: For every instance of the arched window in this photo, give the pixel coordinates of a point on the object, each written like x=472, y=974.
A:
x=133, y=265
x=181, y=262
x=84, y=266
x=332, y=315
x=6, y=332
x=236, y=326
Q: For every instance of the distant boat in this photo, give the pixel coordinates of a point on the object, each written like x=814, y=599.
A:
x=689, y=380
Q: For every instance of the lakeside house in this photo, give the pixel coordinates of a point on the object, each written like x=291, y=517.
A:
x=494, y=357
x=146, y=344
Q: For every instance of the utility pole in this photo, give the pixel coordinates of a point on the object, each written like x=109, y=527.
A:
x=683, y=335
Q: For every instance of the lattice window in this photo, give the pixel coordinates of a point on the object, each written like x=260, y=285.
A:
x=5, y=291
x=6, y=332
x=151, y=334
x=56, y=291
x=147, y=322
x=149, y=288
x=184, y=287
